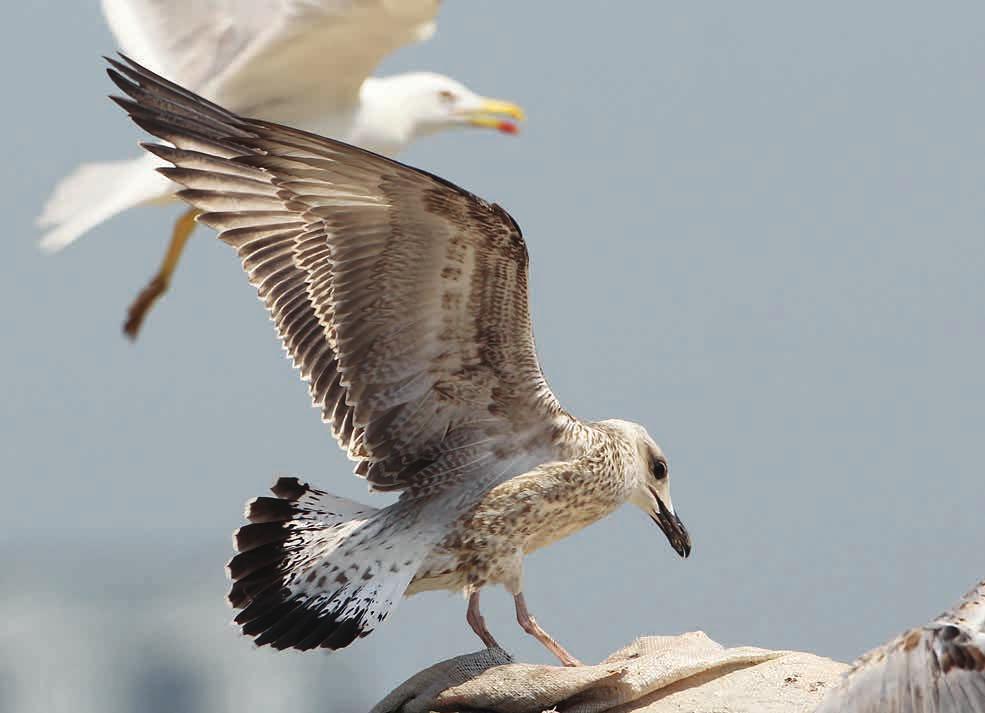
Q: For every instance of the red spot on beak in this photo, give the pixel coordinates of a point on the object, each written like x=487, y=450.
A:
x=508, y=127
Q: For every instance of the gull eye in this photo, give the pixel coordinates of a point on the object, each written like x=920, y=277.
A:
x=660, y=469
x=446, y=96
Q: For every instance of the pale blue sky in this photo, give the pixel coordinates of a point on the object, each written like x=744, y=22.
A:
x=756, y=228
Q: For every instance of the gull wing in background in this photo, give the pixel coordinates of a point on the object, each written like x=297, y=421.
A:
x=282, y=59
x=936, y=668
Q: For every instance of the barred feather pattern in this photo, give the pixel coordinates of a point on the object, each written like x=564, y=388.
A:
x=312, y=569
x=401, y=298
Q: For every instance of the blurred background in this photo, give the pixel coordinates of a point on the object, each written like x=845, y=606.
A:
x=756, y=228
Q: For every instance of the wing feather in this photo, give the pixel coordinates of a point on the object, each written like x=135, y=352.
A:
x=401, y=297
x=282, y=59
x=315, y=54
x=937, y=668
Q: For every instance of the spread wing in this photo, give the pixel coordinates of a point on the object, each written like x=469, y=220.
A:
x=271, y=58
x=937, y=668
x=401, y=297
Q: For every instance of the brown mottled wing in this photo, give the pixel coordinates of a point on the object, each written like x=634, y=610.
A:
x=401, y=297
x=938, y=668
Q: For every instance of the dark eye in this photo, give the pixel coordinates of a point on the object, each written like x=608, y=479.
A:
x=446, y=96
x=659, y=469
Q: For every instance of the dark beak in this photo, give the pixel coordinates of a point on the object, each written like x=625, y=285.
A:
x=674, y=529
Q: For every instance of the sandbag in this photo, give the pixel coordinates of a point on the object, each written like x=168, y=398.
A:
x=655, y=674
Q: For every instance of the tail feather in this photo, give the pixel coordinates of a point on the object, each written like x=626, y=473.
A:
x=95, y=192
x=313, y=569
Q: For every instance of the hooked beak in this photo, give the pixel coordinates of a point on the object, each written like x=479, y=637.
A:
x=673, y=528
x=490, y=115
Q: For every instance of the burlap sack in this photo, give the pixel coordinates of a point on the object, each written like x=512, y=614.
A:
x=656, y=674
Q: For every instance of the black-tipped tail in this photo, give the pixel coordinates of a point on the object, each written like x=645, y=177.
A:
x=289, y=575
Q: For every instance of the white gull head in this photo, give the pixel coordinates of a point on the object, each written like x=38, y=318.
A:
x=396, y=110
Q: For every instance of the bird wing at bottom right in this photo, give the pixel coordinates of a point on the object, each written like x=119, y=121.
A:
x=935, y=668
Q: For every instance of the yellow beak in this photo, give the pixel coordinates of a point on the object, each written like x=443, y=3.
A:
x=491, y=113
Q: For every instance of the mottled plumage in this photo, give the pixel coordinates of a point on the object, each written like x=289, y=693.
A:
x=936, y=668
x=402, y=299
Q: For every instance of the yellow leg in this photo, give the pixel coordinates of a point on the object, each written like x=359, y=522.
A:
x=159, y=283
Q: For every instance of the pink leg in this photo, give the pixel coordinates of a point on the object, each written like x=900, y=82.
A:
x=531, y=626
x=478, y=624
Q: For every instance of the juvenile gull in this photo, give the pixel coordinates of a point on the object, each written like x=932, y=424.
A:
x=935, y=668
x=302, y=62
x=402, y=299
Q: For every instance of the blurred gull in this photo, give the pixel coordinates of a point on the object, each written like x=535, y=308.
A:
x=302, y=62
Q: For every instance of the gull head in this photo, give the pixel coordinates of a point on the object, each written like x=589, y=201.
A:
x=650, y=482
x=421, y=103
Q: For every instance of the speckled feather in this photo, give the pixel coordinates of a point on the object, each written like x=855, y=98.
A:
x=487, y=542
x=936, y=668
